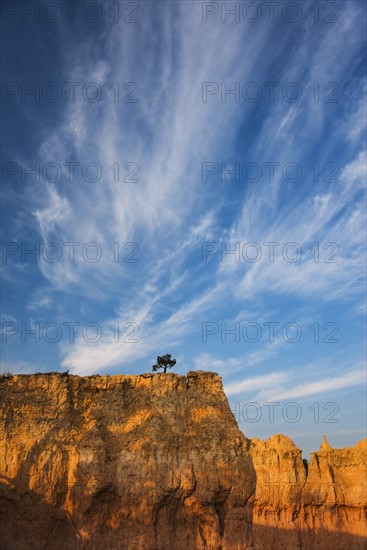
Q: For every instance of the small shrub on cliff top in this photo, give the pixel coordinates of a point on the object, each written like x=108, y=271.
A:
x=165, y=362
x=5, y=375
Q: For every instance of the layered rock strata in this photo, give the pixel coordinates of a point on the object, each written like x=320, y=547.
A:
x=320, y=505
x=157, y=462
x=149, y=462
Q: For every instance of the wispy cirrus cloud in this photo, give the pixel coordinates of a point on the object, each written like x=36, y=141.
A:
x=281, y=386
x=353, y=378
x=170, y=212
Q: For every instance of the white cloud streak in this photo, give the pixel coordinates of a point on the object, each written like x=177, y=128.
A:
x=169, y=133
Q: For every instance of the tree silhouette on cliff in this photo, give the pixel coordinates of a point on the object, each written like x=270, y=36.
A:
x=165, y=362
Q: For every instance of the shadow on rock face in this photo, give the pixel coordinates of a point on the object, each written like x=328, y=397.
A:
x=157, y=462
x=24, y=515
x=266, y=538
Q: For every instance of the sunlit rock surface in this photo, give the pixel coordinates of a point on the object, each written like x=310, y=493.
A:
x=153, y=462
x=322, y=506
x=157, y=462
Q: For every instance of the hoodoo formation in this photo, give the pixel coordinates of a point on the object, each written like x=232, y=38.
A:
x=322, y=506
x=157, y=462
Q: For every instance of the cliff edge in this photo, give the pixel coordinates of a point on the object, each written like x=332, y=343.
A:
x=157, y=462
x=149, y=462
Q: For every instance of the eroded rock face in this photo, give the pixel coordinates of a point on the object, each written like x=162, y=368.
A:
x=150, y=462
x=157, y=462
x=319, y=507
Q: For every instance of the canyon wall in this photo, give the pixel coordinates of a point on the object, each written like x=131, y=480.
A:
x=157, y=462
x=150, y=462
x=321, y=505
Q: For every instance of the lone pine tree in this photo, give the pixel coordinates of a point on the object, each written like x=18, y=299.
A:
x=165, y=362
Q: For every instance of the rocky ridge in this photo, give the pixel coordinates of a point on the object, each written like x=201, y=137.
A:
x=157, y=462
x=322, y=505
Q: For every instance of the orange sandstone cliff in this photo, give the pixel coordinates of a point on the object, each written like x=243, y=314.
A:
x=157, y=462
x=149, y=462
x=322, y=506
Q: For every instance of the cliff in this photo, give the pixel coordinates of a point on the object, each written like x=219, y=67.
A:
x=150, y=462
x=157, y=462
x=322, y=505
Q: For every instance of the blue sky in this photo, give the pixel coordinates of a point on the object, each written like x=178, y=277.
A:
x=184, y=137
